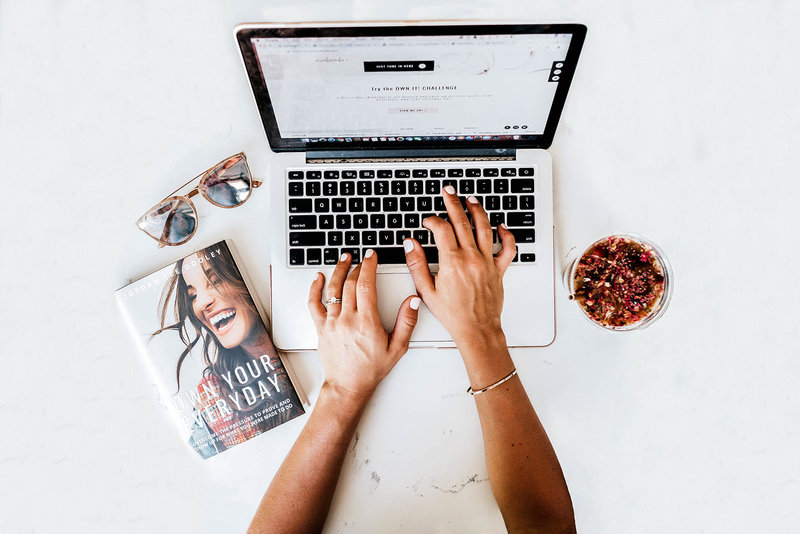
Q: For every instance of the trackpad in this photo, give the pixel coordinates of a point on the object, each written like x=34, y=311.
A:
x=392, y=291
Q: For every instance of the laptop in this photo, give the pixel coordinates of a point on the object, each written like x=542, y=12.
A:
x=367, y=123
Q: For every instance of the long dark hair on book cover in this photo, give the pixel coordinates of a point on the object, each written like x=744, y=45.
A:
x=218, y=359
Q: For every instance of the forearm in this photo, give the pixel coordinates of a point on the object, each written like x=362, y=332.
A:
x=298, y=499
x=524, y=472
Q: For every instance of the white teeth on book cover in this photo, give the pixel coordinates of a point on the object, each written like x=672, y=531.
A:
x=202, y=334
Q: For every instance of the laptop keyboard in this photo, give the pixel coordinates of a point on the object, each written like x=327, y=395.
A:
x=336, y=210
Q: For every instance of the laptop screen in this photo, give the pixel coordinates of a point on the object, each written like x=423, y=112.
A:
x=482, y=86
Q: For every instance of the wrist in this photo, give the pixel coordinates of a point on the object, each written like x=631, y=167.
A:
x=346, y=400
x=488, y=338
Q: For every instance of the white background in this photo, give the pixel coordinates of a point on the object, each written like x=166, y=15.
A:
x=682, y=125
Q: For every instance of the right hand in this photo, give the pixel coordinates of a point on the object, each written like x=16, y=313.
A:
x=466, y=295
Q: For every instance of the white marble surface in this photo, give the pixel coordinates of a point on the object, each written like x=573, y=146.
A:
x=682, y=125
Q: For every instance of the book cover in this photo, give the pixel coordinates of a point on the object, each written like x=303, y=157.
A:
x=210, y=353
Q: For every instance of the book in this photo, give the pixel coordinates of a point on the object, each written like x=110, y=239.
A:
x=201, y=334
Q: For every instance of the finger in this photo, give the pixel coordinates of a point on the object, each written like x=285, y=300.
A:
x=366, y=294
x=509, y=250
x=334, y=289
x=442, y=233
x=418, y=267
x=404, y=326
x=458, y=218
x=318, y=311
x=483, y=230
x=349, y=292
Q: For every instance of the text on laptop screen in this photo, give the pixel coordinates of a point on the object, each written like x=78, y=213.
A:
x=479, y=86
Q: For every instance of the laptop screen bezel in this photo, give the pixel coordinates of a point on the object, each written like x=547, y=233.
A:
x=245, y=33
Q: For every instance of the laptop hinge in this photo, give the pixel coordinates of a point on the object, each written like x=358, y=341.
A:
x=421, y=154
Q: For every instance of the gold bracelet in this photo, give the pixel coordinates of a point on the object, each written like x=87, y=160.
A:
x=487, y=388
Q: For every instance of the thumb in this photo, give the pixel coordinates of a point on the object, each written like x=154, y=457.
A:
x=404, y=325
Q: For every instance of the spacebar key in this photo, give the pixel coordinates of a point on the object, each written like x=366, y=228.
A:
x=396, y=255
x=308, y=239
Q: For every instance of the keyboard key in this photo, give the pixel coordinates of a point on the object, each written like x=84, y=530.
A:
x=331, y=255
x=524, y=235
x=438, y=204
x=431, y=253
x=295, y=189
x=338, y=205
x=402, y=235
x=364, y=188
x=352, y=238
x=347, y=189
x=366, y=174
x=322, y=205
x=411, y=220
x=466, y=187
x=312, y=189
x=314, y=256
x=402, y=173
x=398, y=188
x=437, y=173
x=302, y=222
x=350, y=175
x=407, y=204
x=354, y=253
x=369, y=238
x=522, y=185
x=384, y=173
x=496, y=219
x=508, y=172
x=390, y=255
x=501, y=186
x=356, y=204
x=313, y=175
x=373, y=204
x=360, y=220
x=343, y=222
x=386, y=237
x=382, y=187
x=490, y=172
x=455, y=173
x=492, y=203
x=526, y=202
x=330, y=189
x=450, y=182
x=325, y=222
x=420, y=173
x=525, y=218
x=377, y=221
x=335, y=238
x=527, y=257
x=509, y=203
x=415, y=187
x=389, y=204
x=421, y=236
x=424, y=203
x=432, y=187
x=484, y=186
x=296, y=256
x=295, y=175
x=331, y=175
x=300, y=205
x=526, y=172
x=306, y=239
x=394, y=220
x=473, y=172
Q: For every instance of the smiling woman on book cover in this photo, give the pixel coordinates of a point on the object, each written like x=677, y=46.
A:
x=243, y=388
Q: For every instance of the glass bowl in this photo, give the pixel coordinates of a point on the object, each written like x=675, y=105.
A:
x=629, y=271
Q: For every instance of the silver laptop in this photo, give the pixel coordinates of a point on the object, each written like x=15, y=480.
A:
x=368, y=121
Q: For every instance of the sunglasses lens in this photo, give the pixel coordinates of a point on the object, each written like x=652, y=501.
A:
x=229, y=183
x=172, y=222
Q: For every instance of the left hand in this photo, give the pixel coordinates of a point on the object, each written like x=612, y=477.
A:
x=356, y=351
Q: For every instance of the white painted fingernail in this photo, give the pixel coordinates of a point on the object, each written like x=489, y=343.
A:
x=472, y=199
x=344, y=257
x=504, y=226
x=449, y=189
x=369, y=253
x=408, y=245
x=318, y=275
x=415, y=302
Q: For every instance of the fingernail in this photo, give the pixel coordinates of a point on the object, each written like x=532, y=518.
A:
x=504, y=226
x=344, y=257
x=317, y=276
x=369, y=253
x=415, y=302
x=449, y=190
x=408, y=245
x=472, y=199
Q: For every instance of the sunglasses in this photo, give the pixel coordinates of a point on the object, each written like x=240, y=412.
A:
x=173, y=221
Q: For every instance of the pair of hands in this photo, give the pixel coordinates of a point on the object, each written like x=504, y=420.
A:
x=466, y=296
